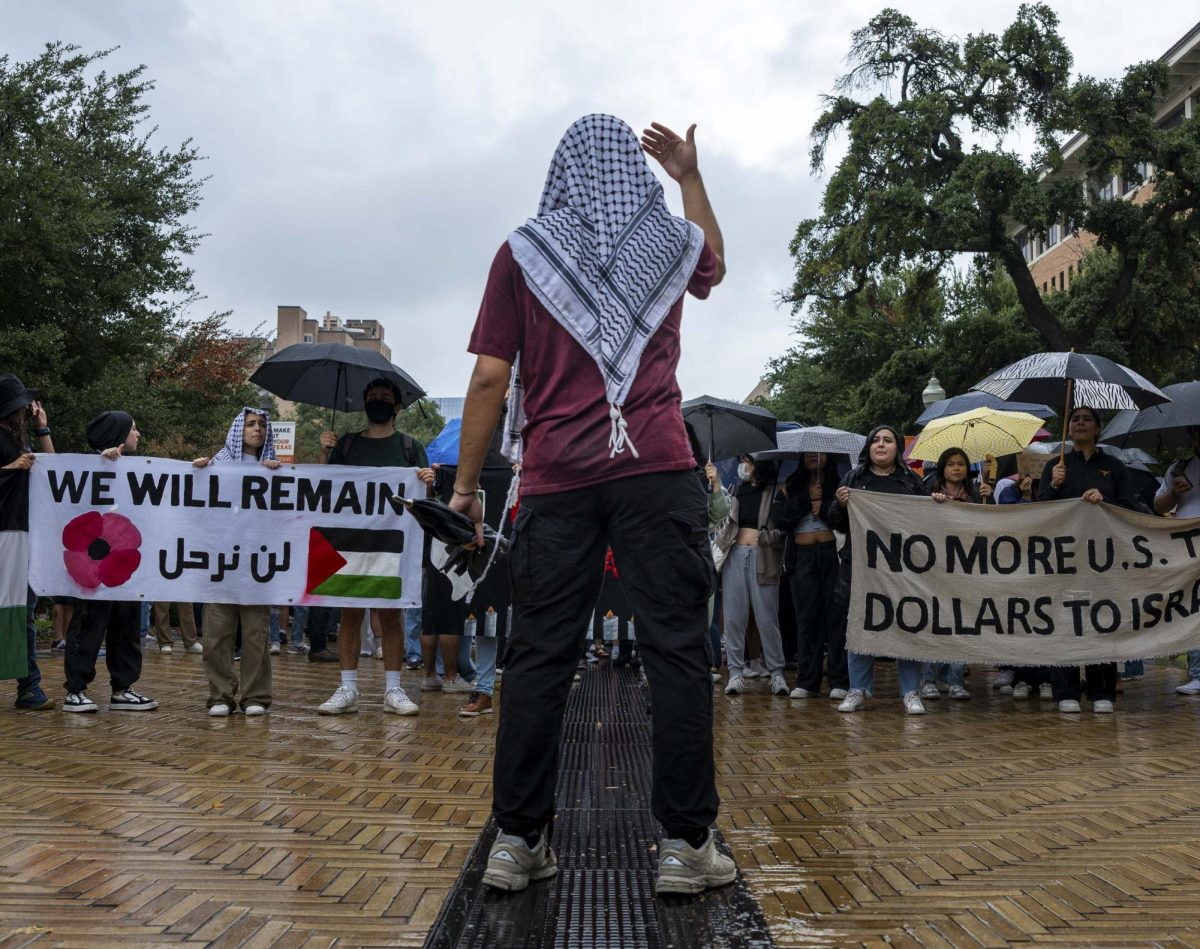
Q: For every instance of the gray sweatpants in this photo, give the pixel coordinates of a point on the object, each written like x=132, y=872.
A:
x=740, y=593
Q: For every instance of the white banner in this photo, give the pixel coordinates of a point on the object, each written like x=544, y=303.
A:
x=1051, y=583
x=165, y=531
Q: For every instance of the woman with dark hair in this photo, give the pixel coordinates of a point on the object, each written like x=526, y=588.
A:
x=811, y=555
x=751, y=571
x=880, y=468
x=951, y=482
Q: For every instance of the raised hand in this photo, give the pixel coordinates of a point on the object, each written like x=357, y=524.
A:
x=38, y=414
x=676, y=155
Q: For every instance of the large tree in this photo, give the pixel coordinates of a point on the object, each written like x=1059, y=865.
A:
x=94, y=239
x=931, y=171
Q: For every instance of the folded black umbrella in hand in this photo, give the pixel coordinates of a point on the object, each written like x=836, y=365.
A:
x=452, y=532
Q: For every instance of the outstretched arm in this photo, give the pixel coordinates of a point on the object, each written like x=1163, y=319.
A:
x=481, y=412
x=679, y=160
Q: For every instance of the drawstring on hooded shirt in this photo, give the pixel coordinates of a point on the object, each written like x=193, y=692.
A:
x=619, y=438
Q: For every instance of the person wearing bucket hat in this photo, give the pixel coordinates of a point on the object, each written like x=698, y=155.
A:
x=20, y=408
x=109, y=623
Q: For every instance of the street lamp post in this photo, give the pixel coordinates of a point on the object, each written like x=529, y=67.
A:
x=933, y=392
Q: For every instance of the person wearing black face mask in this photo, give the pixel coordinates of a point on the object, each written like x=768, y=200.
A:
x=379, y=446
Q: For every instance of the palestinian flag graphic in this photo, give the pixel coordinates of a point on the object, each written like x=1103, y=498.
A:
x=344, y=561
x=14, y=573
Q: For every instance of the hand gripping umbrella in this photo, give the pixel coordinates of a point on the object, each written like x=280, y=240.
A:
x=332, y=375
x=465, y=568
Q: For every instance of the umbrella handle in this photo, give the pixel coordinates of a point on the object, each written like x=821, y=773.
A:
x=1062, y=446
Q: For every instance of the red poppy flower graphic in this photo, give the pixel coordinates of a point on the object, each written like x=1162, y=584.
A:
x=101, y=548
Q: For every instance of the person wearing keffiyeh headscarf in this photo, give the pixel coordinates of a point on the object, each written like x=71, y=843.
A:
x=585, y=302
x=250, y=440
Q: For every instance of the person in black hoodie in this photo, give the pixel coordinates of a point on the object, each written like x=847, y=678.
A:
x=113, y=624
x=811, y=563
x=880, y=468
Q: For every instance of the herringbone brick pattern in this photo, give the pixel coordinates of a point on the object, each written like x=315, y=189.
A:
x=987, y=823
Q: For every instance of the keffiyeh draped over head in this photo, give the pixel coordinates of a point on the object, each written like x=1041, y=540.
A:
x=605, y=255
x=233, y=441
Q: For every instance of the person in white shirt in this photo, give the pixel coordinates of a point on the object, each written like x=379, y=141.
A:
x=1180, y=493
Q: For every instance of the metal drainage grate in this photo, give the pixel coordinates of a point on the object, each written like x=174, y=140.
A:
x=606, y=843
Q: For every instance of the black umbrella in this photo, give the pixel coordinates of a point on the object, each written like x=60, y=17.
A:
x=980, y=400
x=1074, y=378
x=1159, y=427
x=465, y=568
x=332, y=375
x=726, y=429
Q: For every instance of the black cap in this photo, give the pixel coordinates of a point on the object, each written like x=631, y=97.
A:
x=109, y=429
x=14, y=395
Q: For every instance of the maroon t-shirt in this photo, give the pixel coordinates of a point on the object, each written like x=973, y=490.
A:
x=566, y=411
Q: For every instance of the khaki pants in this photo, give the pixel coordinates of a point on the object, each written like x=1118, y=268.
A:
x=161, y=614
x=220, y=630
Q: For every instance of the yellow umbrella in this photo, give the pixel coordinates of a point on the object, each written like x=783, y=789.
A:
x=979, y=432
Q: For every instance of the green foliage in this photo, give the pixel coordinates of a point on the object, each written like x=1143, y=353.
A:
x=94, y=285
x=928, y=176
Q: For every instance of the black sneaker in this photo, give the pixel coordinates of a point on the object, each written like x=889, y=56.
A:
x=130, y=701
x=78, y=702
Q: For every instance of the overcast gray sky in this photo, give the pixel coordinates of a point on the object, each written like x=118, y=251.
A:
x=368, y=157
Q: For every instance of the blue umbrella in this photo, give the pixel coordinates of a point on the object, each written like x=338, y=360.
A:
x=443, y=450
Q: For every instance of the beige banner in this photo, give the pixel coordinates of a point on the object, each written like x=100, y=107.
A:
x=1052, y=583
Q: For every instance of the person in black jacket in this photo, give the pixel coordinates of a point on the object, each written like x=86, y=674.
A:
x=880, y=468
x=811, y=563
x=1088, y=472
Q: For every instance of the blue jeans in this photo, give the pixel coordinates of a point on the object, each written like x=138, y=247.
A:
x=144, y=618
x=862, y=673
x=952, y=673
x=1194, y=664
x=485, y=653
x=32, y=682
x=273, y=633
x=299, y=618
x=412, y=634
x=466, y=668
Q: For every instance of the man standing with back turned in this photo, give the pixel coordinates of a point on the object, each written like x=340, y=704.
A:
x=586, y=301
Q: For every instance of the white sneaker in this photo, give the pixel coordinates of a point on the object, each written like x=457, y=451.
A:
x=165, y=650
x=220, y=710
x=755, y=670
x=1046, y=691
x=688, y=870
x=79, y=702
x=1021, y=690
x=1002, y=678
x=398, y=703
x=799, y=693
x=197, y=648
x=1068, y=705
x=912, y=703
x=432, y=684
x=1189, y=688
x=930, y=691
x=130, y=701
x=959, y=693
x=457, y=684
x=836, y=695
x=854, y=700
x=779, y=685
x=1102, y=707
x=343, y=700
x=378, y=653
x=255, y=709
x=716, y=676
x=735, y=686
x=274, y=650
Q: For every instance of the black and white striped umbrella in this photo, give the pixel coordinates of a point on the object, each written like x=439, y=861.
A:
x=1094, y=381
x=817, y=439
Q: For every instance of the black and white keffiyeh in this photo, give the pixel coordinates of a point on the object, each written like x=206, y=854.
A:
x=605, y=255
x=233, y=440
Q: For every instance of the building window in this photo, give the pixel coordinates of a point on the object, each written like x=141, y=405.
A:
x=308, y=337
x=1106, y=192
x=1173, y=119
x=1062, y=280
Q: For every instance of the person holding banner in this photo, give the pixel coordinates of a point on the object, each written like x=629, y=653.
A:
x=880, y=468
x=250, y=441
x=18, y=407
x=1179, y=493
x=1088, y=472
x=379, y=446
x=109, y=623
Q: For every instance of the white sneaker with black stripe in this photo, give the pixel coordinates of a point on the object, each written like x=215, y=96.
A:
x=130, y=701
x=79, y=702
